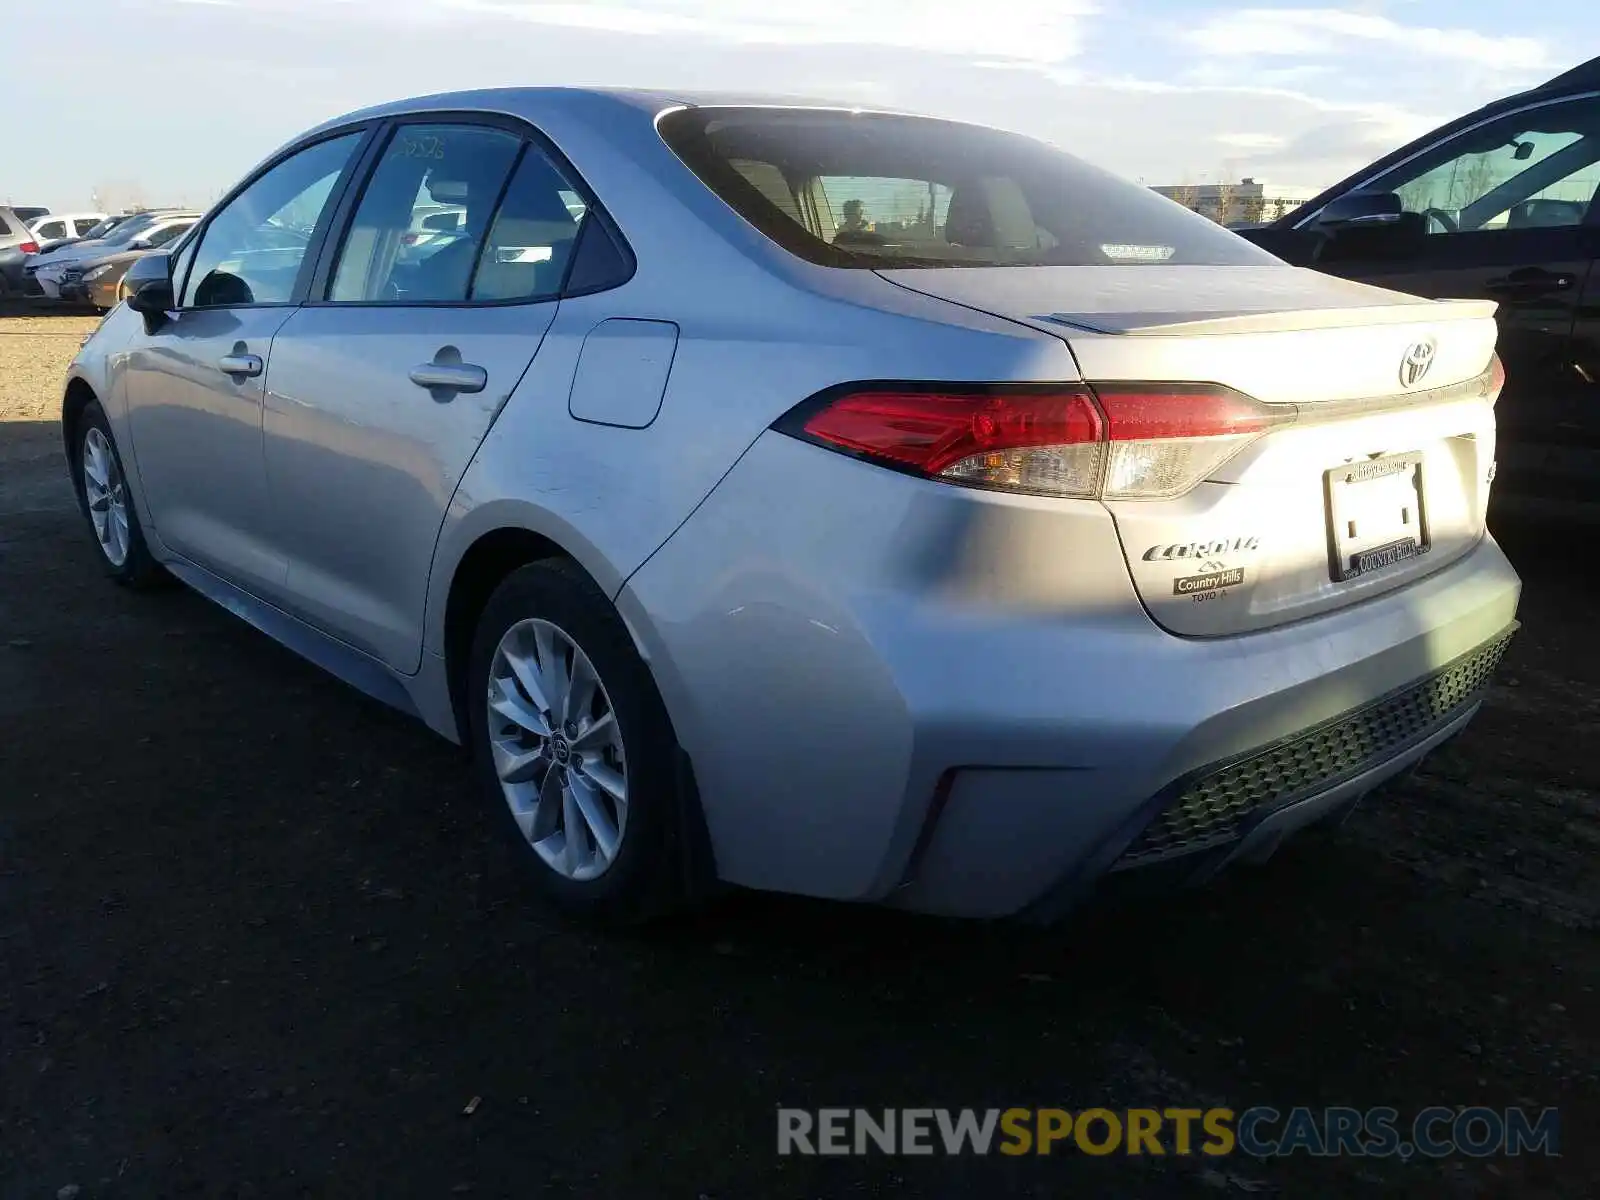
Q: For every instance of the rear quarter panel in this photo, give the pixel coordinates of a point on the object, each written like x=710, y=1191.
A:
x=749, y=349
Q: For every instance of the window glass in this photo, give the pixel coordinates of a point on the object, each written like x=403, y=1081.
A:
x=417, y=231
x=50, y=229
x=252, y=250
x=531, y=239
x=870, y=190
x=1534, y=169
x=182, y=257
x=127, y=230
x=161, y=236
x=82, y=227
x=5, y=225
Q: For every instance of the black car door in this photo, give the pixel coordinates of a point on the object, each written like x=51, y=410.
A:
x=1505, y=211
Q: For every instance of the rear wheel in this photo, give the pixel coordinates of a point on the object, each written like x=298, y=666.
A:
x=573, y=745
x=107, y=506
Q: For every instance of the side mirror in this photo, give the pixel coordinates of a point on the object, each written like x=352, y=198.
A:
x=1360, y=208
x=153, y=299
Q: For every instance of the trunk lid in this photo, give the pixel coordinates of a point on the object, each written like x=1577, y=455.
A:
x=1381, y=479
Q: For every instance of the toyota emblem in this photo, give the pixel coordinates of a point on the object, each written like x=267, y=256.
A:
x=1419, y=357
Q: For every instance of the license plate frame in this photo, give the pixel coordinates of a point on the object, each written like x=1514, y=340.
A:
x=1410, y=540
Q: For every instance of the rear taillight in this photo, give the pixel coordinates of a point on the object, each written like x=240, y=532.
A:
x=1117, y=441
x=1165, y=438
x=29, y=247
x=1497, y=377
x=1048, y=441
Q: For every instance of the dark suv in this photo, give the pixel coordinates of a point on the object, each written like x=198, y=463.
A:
x=1503, y=203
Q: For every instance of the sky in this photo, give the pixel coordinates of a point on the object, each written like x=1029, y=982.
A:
x=170, y=101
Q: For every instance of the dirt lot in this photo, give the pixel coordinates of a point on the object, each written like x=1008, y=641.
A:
x=258, y=939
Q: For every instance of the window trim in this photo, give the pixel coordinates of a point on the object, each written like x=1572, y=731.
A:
x=318, y=236
x=532, y=137
x=1372, y=175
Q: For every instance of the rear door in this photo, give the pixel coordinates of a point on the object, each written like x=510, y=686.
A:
x=1510, y=217
x=382, y=388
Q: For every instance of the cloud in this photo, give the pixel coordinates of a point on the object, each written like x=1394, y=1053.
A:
x=1038, y=31
x=1317, y=32
x=1250, y=141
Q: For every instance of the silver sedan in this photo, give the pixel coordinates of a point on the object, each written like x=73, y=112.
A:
x=812, y=499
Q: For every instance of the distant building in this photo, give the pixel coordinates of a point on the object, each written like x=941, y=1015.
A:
x=1248, y=201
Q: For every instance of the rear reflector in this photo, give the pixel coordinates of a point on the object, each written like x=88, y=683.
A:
x=1119, y=441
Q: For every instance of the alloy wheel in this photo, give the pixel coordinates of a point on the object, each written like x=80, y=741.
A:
x=107, y=497
x=557, y=749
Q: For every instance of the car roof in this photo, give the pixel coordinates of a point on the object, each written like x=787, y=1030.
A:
x=529, y=101
x=583, y=103
x=1585, y=77
x=1580, y=78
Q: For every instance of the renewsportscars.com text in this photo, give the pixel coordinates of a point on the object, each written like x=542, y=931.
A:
x=1261, y=1132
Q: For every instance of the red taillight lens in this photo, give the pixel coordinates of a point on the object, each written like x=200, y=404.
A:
x=1497, y=377
x=1148, y=413
x=1044, y=440
x=1117, y=441
x=29, y=247
x=932, y=431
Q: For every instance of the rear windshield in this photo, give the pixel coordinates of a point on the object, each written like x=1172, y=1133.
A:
x=870, y=190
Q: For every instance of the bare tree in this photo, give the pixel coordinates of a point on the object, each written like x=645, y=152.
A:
x=118, y=195
x=1253, y=209
x=1187, y=195
x=1225, y=202
x=1473, y=181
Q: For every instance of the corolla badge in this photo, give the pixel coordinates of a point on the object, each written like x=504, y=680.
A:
x=1419, y=357
x=1208, y=550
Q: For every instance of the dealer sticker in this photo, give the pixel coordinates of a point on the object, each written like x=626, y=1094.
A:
x=1190, y=585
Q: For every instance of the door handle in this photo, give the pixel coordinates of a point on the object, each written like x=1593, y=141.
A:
x=447, y=375
x=1529, y=283
x=240, y=365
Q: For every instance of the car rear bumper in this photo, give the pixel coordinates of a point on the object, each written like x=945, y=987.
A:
x=952, y=701
x=1244, y=807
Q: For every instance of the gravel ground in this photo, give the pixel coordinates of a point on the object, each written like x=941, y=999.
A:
x=257, y=939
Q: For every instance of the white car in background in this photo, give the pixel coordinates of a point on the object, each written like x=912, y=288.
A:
x=147, y=231
x=61, y=227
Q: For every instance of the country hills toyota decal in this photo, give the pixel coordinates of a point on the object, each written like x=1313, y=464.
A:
x=1214, y=575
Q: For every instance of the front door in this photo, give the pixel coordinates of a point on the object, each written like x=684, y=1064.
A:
x=195, y=385
x=381, y=391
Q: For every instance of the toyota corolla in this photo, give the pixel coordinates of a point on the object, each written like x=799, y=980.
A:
x=831, y=501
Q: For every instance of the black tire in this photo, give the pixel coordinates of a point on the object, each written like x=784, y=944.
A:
x=648, y=877
x=138, y=569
